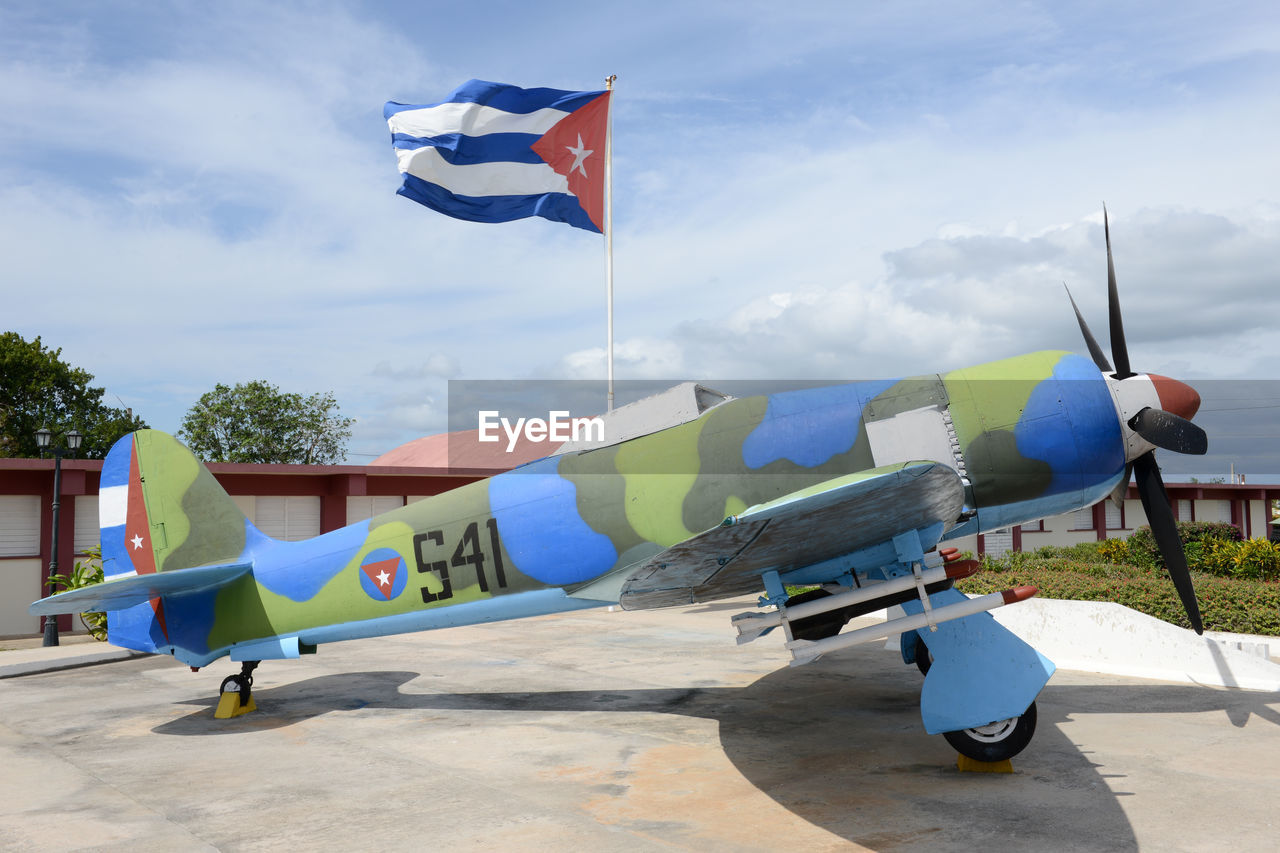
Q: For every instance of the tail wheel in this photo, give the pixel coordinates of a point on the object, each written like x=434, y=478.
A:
x=233, y=683
x=996, y=741
x=241, y=682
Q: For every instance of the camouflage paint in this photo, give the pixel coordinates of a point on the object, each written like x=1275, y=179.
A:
x=1037, y=435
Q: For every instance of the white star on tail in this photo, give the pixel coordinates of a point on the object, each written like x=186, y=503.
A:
x=383, y=578
x=580, y=156
x=137, y=542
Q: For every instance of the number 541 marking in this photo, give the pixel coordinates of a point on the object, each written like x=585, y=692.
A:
x=467, y=552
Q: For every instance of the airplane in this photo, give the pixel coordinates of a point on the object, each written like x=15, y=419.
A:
x=853, y=490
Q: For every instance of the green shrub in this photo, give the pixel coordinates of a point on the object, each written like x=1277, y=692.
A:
x=1082, y=552
x=1252, y=559
x=84, y=573
x=1234, y=603
x=1115, y=550
x=1195, y=534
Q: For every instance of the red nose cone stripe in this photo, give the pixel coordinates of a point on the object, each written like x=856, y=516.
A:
x=1018, y=593
x=963, y=569
x=1177, y=397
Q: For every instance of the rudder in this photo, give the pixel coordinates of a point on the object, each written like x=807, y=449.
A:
x=160, y=510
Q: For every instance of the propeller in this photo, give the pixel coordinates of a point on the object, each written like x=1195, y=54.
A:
x=1167, y=430
x=1155, y=503
x=1168, y=427
x=1118, y=349
x=1099, y=358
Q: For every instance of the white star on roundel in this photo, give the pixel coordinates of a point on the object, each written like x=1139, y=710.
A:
x=383, y=578
x=137, y=542
x=580, y=156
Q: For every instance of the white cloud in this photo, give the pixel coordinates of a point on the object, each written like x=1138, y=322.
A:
x=944, y=303
x=437, y=365
x=636, y=358
x=827, y=191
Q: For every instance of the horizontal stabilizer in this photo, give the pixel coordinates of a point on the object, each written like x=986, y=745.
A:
x=125, y=592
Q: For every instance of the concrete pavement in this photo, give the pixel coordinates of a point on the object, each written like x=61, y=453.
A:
x=614, y=731
x=28, y=657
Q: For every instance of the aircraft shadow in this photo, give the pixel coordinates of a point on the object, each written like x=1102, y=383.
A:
x=841, y=750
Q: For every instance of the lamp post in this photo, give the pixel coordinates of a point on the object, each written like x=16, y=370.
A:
x=43, y=441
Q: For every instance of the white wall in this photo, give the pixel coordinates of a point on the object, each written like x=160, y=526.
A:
x=1213, y=510
x=1257, y=519
x=1059, y=538
x=246, y=503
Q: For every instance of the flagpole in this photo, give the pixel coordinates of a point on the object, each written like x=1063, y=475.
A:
x=608, y=227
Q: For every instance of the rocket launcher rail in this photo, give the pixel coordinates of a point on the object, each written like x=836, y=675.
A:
x=751, y=625
x=807, y=651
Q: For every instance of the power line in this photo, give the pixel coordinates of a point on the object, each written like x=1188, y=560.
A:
x=1244, y=408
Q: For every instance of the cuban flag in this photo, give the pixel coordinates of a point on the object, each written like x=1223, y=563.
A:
x=490, y=152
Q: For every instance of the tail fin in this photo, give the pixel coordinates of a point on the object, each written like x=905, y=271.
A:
x=160, y=510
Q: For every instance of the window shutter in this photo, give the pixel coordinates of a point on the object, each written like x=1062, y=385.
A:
x=86, y=523
x=19, y=526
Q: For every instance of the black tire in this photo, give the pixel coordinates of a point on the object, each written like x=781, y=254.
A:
x=924, y=660
x=241, y=683
x=815, y=627
x=996, y=741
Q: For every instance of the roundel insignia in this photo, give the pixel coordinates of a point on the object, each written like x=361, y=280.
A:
x=382, y=574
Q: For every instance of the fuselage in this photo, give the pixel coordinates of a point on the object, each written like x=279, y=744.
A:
x=1030, y=436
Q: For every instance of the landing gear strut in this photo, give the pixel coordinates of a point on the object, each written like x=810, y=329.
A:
x=235, y=697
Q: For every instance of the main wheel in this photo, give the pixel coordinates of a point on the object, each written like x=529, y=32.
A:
x=996, y=741
x=924, y=659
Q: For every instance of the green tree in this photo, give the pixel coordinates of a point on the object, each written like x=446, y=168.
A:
x=256, y=422
x=38, y=389
x=84, y=573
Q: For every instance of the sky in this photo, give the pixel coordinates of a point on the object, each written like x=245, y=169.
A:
x=198, y=193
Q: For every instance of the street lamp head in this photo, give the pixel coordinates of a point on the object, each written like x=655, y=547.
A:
x=73, y=440
x=43, y=436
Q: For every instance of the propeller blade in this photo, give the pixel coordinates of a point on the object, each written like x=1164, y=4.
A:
x=1155, y=502
x=1119, y=351
x=1099, y=357
x=1118, y=493
x=1167, y=430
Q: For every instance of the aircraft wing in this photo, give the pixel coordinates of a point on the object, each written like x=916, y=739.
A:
x=125, y=592
x=859, y=512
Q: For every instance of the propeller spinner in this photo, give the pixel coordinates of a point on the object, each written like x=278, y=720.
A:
x=1155, y=411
